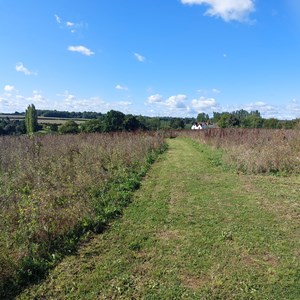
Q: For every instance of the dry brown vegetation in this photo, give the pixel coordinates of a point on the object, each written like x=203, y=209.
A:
x=54, y=188
x=254, y=150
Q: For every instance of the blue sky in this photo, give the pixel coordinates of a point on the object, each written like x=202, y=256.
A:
x=151, y=57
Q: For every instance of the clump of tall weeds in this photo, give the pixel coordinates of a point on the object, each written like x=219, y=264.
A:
x=54, y=188
x=270, y=151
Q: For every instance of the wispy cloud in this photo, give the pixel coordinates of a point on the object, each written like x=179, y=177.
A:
x=81, y=49
x=69, y=25
x=139, y=57
x=216, y=91
x=58, y=19
x=21, y=68
x=121, y=87
x=228, y=10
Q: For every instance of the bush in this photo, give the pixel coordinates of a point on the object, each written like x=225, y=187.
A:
x=68, y=127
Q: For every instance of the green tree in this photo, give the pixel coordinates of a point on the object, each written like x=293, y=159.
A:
x=114, y=121
x=177, y=123
x=228, y=120
x=131, y=123
x=93, y=125
x=31, y=119
x=202, y=117
x=252, y=121
x=271, y=123
x=68, y=127
x=153, y=123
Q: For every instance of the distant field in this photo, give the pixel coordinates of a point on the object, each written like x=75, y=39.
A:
x=44, y=120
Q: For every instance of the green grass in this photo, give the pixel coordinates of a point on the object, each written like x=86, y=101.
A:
x=193, y=231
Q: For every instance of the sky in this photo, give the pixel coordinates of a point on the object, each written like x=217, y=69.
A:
x=151, y=57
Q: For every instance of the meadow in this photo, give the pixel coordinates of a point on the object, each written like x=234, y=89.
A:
x=217, y=218
x=54, y=189
x=253, y=151
x=195, y=229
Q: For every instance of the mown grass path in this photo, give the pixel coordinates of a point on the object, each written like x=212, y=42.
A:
x=193, y=231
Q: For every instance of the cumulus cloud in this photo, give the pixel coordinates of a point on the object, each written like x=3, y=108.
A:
x=139, y=57
x=21, y=68
x=11, y=102
x=204, y=104
x=173, y=105
x=176, y=102
x=288, y=111
x=228, y=10
x=157, y=98
x=37, y=98
x=81, y=49
x=121, y=87
x=9, y=88
x=72, y=103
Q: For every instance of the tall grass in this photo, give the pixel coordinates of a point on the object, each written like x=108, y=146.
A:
x=54, y=188
x=275, y=151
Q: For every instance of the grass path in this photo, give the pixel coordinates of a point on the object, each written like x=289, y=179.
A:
x=193, y=231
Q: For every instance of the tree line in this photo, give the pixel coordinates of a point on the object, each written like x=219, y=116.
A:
x=244, y=119
x=118, y=121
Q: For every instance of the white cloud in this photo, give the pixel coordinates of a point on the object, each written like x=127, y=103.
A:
x=21, y=68
x=259, y=105
x=228, y=10
x=139, y=57
x=9, y=88
x=121, y=87
x=72, y=103
x=176, y=102
x=57, y=18
x=37, y=98
x=157, y=98
x=216, y=91
x=70, y=24
x=11, y=102
x=121, y=103
x=174, y=105
x=81, y=49
x=204, y=104
x=267, y=110
x=294, y=108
